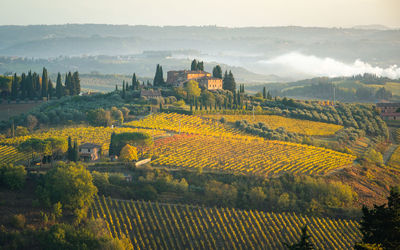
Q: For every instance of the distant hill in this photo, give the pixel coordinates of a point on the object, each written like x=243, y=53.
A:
x=246, y=47
x=359, y=88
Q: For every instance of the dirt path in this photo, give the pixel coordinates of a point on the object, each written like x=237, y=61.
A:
x=389, y=152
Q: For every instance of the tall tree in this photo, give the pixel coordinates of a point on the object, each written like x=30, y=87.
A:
x=135, y=82
x=45, y=82
x=193, y=66
x=200, y=66
x=70, y=150
x=192, y=89
x=50, y=89
x=76, y=83
x=69, y=84
x=217, y=72
x=159, y=77
x=24, y=93
x=228, y=82
x=75, y=154
x=380, y=226
x=59, y=87
x=264, y=93
x=14, y=87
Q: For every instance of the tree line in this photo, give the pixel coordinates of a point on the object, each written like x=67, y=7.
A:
x=31, y=85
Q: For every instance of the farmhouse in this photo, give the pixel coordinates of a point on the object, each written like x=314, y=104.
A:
x=90, y=151
x=179, y=78
x=389, y=111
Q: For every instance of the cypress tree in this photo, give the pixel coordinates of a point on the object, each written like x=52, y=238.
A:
x=71, y=84
x=70, y=149
x=24, y=93
x=135, y=82
x=45, y=81
x=75, y=152
x=59, y=87
x=193, y=66
x=50, y=91
x=123, y=89
x=29, y=85
x=200, y=66
x=264, y=93
x=217, y=72
x=77, y=83
x=14, y=87
x=232, y=83
x=111, y=150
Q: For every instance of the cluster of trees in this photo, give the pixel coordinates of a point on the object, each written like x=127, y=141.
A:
x=217, y=72
x=102, y=117
x=197, y=65
x=135, y=139
x=228, y=82
x=71, y=185
x=92, y=234
x=380, y=226
x=359, y=116
x=46, y=149
x=77, y=110
x=287, y=193
x=159, y=77
x=12, y=177
x=326, y=91
x=373, y=79
x=146, y=185
x=262, y=130
x=34, y=86
x=73, y=150
x=202, y=99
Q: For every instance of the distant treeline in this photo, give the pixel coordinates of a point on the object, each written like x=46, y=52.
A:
x=33, y=86
x=327, y=91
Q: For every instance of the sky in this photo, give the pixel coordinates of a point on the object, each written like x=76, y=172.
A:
x=230, y=13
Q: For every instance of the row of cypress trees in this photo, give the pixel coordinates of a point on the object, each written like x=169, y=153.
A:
x=31, y=85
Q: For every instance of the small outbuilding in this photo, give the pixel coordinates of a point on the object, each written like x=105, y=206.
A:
x=90, y=151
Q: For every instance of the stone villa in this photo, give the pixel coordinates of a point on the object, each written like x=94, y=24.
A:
x=205, y=80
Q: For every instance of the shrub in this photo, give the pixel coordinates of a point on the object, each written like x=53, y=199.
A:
x=18, y=221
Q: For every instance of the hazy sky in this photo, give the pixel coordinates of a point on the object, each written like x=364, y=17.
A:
x=332, y=13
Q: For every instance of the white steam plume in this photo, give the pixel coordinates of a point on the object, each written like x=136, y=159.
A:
x=316, y=66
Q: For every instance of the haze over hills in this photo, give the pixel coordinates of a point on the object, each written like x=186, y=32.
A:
x=261, y=54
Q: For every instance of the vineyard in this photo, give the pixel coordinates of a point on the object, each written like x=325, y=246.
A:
x=98, y=135
x=167, y=226
x=9, y=154
x=291, y=125
x=264, y=158
x=185, y=124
